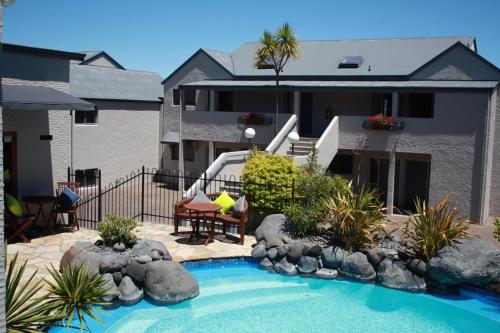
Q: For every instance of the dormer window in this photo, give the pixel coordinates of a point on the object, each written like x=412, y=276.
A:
x=351, y=62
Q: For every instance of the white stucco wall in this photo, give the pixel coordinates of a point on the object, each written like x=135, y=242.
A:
x=125, y=138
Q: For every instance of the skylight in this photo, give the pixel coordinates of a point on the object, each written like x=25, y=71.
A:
x=351, y=62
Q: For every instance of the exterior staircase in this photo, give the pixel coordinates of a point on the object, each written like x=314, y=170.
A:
x=303, y=147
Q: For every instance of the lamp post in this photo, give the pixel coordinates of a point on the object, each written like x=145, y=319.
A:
x=249, y=134
x=293, y=138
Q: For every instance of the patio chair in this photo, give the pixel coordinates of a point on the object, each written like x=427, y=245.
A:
x=71, y=211
x=17, y=220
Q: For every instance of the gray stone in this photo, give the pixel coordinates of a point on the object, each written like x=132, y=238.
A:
x=91, y=260
x=275, y=242
x=271, y=227
x=117, y=277
x=119, y=247
x=129, y=293
x=284, y=267
x=375, y=256
x=113, y=262
x=283, y=250
x=314, y=251
x=146, y=246
x=332, y=257
x=418, y=267
x=326, y=273
x=307, y=264
x=272, y=253
x=167, y=282
x=110, y=287
x=259, y=252
x=167, y=257
x=155, y=255
x=136, y=271
x=295, y=252
x=395, y=275
x=287, y=240
x=471, y=261
x=266, y=263
x=144, y=259
x=357, y=267
x=82, y=245
x=390, y=253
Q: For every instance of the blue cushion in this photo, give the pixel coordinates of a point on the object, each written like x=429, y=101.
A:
x=68, y=198
x=238, y=207
x=201, y=198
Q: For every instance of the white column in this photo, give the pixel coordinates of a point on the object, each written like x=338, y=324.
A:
x=391, y=181
x=296, y=107
x=211, y=152
x=211, y=94
x=181, y=146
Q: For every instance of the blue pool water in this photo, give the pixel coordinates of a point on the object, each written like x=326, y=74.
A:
x=239, y=297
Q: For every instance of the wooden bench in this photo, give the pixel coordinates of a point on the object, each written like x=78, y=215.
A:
x=181, y=213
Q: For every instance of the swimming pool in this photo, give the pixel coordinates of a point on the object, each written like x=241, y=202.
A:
x=237, y=296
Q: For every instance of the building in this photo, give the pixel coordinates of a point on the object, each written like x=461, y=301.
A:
x=413, y=117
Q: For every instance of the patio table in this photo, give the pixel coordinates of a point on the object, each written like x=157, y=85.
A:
x=40, y=201
x=199, y=211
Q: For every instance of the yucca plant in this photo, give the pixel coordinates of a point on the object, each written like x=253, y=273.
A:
x=77, y=292
x=24, y=312
x=355, y=218
x=430, y=228
x=496, y=229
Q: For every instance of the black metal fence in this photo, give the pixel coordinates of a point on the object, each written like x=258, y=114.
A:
x=150, y=194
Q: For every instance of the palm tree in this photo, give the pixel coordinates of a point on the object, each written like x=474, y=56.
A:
x=275, y=49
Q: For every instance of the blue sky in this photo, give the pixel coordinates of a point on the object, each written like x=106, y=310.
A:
x=158, y=35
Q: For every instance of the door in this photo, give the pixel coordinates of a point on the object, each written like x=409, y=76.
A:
x=416, y=183
x=379, y=172
x=10, y=162
x=305, y=117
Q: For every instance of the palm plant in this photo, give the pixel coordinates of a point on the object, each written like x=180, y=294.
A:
x=274, y=51
x=24, y=312
x=355, y=218
x=432, y=228
x=77, y=292
x=496, y=230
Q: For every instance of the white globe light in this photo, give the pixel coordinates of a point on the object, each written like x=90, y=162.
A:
x=249, y=133
x=293, y=137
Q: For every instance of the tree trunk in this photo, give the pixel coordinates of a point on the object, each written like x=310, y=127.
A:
x=277, y=103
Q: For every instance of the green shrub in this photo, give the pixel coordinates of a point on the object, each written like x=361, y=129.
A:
x=116, y=229
x=432, y=228
x=313, y=186
x=355, y=218
x=496, y=230
x=267, y=181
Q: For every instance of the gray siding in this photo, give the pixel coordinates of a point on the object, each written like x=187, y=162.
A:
x=2, y=236
x=495, y=176
x=125, y=138
x=102, y=61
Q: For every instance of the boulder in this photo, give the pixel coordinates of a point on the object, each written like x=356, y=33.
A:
x=68, y=257
x=167, y=257
x=136, y=271
x=471, y=261
x=357, y=267
x=271, y=227
x=110, y=287
x=82, y=245
x=91, y=260
x=167, y=282
x=259, y=252
x=284, y=267
x=129, y=293
x=117, y=277
x=283, y=250
x=119, y=247
x=417, y=266
x=272, y=253
x=395, y=275
x=326, y=273
x=146, y=246
x=266, y=263
x=307, y=264
x=375, y=256
x=275, y=242
x=144, y=259
x=113, y=262
x=155, y=255
x=332, y=257
x=295, y=252
x=314, y=251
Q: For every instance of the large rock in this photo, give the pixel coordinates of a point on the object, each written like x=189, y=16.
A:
x=395, y=275
x=284, y=267
x=259, y=252
x=295, y=252
x=471, y=261
x=129, y=293
x=110, y=287
x=307, y=264
x=356, y=266
x=91, y=260
x=271, y=227
x=314, y=251
x=417, y=266
x=326, y=273
x=167, y=282
x=272, y=253
x=375, y=256
x=275, y=242
x=332, y=257
x=68, y=257
x=113, y=262
x=136, y=271
x=146, y=246
x=266, y=263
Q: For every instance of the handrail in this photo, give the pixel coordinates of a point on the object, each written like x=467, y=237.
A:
x=327, y=143
x=282, y=134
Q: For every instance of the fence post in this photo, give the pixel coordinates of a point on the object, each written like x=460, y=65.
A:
x=69, y=174
x=99, y=201
x=205, y=182
x=142, y=193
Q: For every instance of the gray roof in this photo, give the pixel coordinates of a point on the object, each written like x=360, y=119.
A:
x=170, y=137
x=420, y=84
x=96, y=82
x=382, y=57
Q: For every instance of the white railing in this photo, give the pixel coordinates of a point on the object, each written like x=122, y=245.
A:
x=280, y=138
x=327, y=145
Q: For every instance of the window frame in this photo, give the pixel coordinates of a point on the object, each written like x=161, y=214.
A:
x=408, y=114
x=176, y=96
x=84, y=175
x=174, y=151
x=85, y=113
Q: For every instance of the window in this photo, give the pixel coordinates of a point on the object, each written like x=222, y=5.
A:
x=189, y=94
x=382, y=104
x=86, y=177
x=188, y=151
x=225, y=101
x=416, y=105
x=86, y=117
x=351, y=62
x=342, y=165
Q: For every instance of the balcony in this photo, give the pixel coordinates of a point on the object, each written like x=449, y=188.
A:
x=381, y=122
